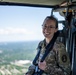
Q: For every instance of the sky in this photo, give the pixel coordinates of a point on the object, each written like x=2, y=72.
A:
x=22, y=23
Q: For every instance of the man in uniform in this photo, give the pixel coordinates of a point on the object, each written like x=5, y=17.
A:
x=57, y=61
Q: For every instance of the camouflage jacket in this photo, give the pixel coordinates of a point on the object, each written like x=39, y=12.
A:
x=57, y=61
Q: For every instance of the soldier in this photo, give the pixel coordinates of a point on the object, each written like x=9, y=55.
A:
x=57, y=61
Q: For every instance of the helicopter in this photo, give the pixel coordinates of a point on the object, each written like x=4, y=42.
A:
x=67, y=9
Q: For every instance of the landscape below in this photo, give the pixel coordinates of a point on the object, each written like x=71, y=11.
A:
x=15, y=57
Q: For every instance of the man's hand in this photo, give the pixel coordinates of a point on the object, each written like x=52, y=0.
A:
x=42, y=65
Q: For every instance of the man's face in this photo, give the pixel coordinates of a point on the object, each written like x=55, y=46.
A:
x=49, y=28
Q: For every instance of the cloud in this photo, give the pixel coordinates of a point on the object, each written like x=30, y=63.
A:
x=12, y=31
x=19, y=34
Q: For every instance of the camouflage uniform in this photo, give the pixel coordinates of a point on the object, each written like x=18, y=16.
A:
x=57, y=61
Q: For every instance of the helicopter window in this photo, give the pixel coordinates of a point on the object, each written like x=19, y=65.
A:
x=60, y=26
x=57, y=14
x=60, y=18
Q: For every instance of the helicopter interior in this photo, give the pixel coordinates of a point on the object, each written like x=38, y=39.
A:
x=67, y=9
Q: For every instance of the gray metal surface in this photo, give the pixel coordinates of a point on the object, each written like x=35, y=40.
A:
x=38, y=2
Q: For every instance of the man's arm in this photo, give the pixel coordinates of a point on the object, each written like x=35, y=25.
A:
x=62, y=62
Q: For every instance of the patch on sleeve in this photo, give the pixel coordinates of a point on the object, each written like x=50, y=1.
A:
x=63, y=58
